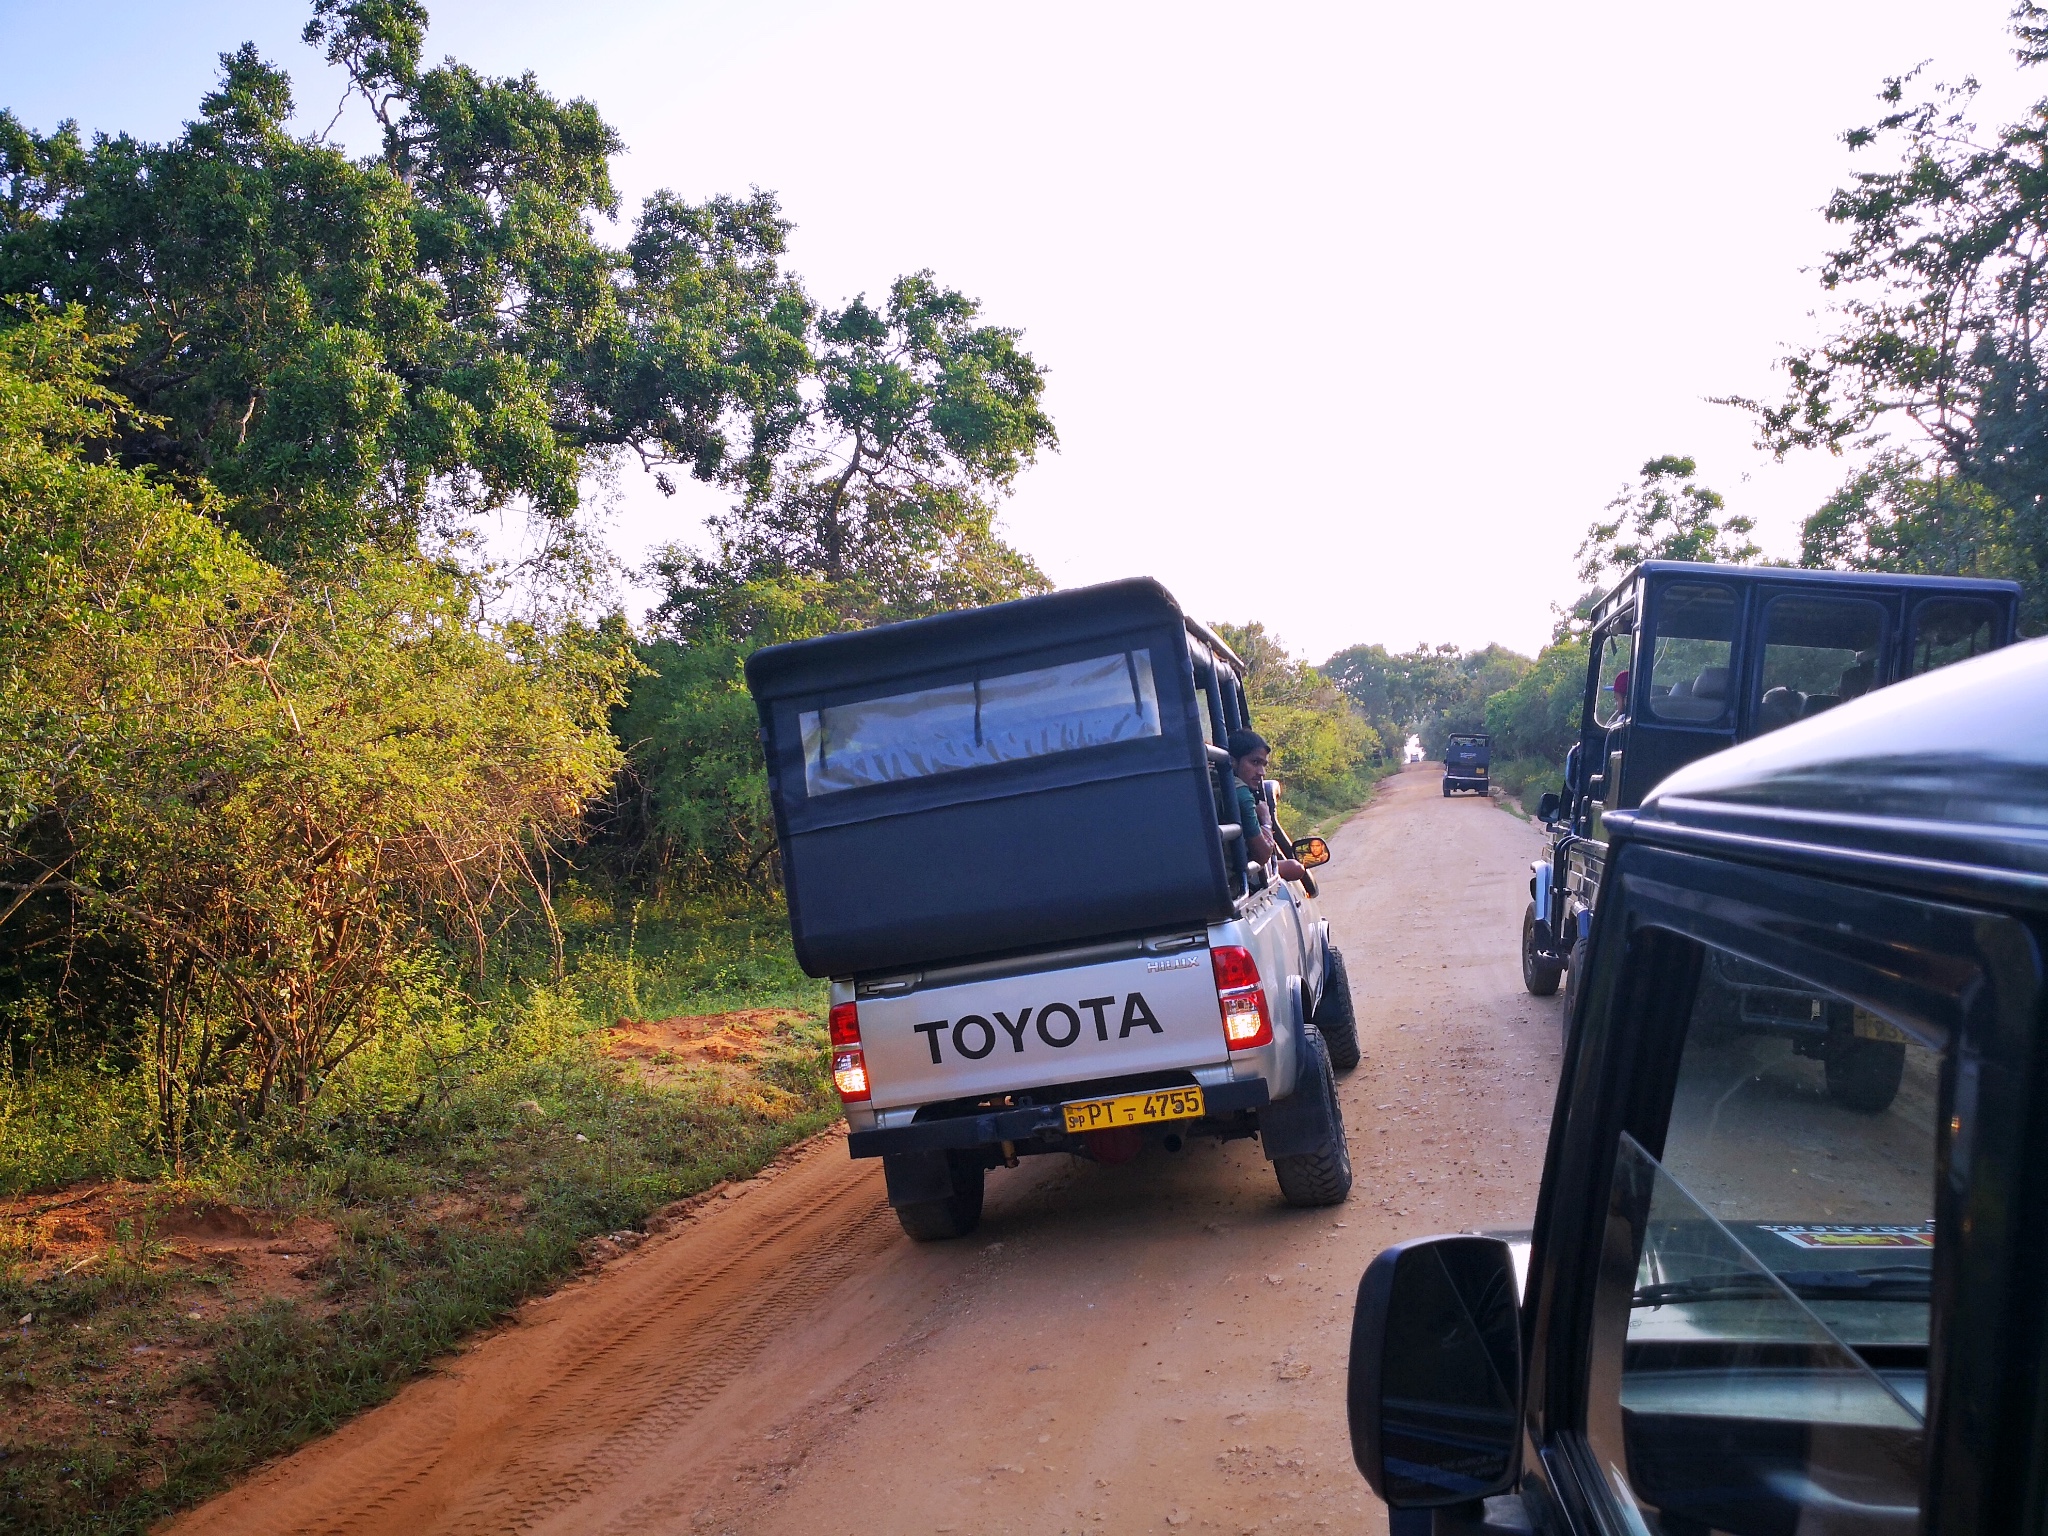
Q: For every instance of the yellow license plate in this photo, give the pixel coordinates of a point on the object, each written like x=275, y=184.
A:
x=1134, y=1109
x=1868, y=1026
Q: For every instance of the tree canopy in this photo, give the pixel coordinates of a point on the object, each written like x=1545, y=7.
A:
x=253, y=798
x=1935, y=359
x=1430, y=691
x=1320, y=740
x=919, y=420
x=361, y=351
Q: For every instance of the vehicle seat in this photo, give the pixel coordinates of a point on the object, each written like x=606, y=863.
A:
x=1819, y=703
x=1779, y=707
x=1702, y=701
x=1856, y=680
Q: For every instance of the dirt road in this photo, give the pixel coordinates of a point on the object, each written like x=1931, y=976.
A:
x=1154, y=1346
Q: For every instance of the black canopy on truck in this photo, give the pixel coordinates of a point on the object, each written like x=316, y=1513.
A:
x=1004, y=778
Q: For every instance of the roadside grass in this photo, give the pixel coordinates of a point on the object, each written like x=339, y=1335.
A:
x=165, y=1326
x=166, y=1329
x=1526, y=778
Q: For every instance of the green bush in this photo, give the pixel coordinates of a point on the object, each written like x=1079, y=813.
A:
x=1526, y=779
x=1538, y=717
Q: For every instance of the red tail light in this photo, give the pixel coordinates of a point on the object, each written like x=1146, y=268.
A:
x=1242, y=1001
x=849, y=1064
x=845, y=1024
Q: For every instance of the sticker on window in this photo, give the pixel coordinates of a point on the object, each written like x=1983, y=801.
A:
x=1921, y=1236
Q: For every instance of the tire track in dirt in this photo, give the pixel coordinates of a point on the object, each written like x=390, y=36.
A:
x=591, y=1383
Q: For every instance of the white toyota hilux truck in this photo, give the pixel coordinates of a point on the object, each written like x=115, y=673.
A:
x=1010, y=838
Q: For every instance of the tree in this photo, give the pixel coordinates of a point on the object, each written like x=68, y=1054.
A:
x=356, y=352
x=1430, y=691
x=1667, y=515
x=694, y=797
x=262, y=796
x=1538, y=715
x=1368, y=676
x=1319, y=741
x=1938, y=293
x=920, y=420
x=1466, y=680
x=1889, y=516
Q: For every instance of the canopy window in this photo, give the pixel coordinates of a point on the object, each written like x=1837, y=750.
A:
x=1001, y=719
x=1818, y=651
x=1694, y=623
x=1616, y=647
x=1951, y=629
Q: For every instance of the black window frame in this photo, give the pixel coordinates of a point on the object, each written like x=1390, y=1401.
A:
x=1909, y=629
x=1964, y=971
x=1180, y=735
x=1890, y=630
x=1643, y=678
x=1622, y=623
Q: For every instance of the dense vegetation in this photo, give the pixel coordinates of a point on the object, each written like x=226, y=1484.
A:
x=336, y=857
x=331, y=849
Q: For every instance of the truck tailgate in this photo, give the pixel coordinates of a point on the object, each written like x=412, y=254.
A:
x=1141, y=1014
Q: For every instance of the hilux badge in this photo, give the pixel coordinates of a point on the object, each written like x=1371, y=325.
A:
x=1179, y=963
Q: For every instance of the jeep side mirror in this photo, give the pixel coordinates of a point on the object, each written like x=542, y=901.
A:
x=1435, y=1396
x=1311, y=851
x=1546, y=808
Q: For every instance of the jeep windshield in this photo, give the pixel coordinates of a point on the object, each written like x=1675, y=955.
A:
x=1784, y=1233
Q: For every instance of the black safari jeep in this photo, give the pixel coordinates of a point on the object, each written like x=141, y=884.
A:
x=1688, y=659
x=1466, y=759
x=1748, y=1308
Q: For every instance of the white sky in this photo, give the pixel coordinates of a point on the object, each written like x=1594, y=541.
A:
x=1355, y=315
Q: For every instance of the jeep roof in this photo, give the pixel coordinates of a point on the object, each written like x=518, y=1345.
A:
x=1949, y=768
x=1625, y=592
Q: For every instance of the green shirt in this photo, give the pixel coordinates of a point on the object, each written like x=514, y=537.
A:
x=1248, y=812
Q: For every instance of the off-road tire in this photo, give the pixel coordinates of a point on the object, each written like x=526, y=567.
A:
x=1865, y=1074
x=1539, y=976
x=1447, y=789
x=933, y=1221
x=1322, y=1177
x=1573, y=975
x=1335, y=1019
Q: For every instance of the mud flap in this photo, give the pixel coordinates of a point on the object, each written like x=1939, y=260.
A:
x=1304, y=1121
x=918, y=1178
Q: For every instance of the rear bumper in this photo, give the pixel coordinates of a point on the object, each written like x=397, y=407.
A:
x=1466, y=781
x=1038, y=1122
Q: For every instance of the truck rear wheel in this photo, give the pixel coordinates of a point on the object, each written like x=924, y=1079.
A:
x=1539, y=975
x=1574, y=975
x=932, y=1221
x=1321, y=1177
x=1335, y=1019
x=1865, y=1074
